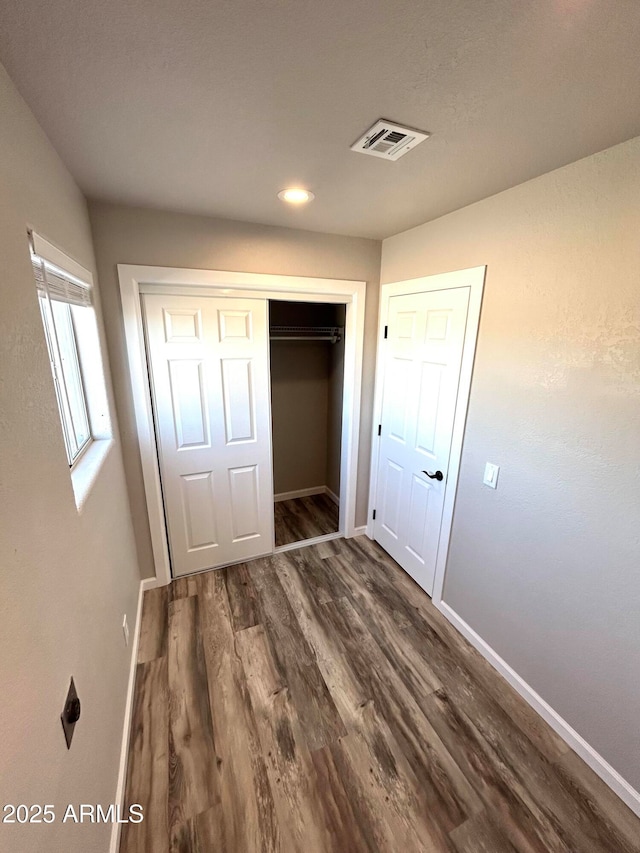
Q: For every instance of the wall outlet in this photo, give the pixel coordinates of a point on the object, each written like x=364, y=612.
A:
x=491, y=472
x=125, y=630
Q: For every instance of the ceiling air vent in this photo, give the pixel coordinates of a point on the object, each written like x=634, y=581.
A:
x=389, y=140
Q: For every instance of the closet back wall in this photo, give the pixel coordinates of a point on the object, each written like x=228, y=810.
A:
x=131, y=235
x=300, y=410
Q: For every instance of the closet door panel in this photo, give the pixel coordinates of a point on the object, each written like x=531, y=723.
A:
x=245, y=491
x=182, y=326
x=189, y=403
x=235, y=326
x=209, y=366
x=239, y=399
x=199, y=511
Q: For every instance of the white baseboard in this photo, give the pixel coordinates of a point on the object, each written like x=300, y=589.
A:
x=332, y=495
x=300, y=493
x=305, y=493
x=357, y=531
x=147, y=583
x=315, y=540
x=598, y=764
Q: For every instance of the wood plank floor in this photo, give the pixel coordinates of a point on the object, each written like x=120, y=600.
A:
x=303, y=518
x=317, y=701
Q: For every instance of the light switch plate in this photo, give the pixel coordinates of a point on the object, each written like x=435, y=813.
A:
x=491, y=472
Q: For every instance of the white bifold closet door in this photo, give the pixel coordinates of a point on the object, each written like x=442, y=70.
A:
x=209, y=367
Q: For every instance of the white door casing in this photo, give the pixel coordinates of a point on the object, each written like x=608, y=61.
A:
x=138, y=279
x=423, y=382
x=209, y=371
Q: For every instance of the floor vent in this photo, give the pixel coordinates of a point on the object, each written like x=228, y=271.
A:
x=389, y=140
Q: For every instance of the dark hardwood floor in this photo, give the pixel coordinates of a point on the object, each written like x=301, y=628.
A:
x=317, y=701
x=303, y=518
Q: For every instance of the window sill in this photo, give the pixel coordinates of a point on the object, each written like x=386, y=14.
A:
x=86, y=470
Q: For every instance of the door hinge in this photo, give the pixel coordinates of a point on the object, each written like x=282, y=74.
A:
x=374, y=515
x=386, y=331
x=379, y=429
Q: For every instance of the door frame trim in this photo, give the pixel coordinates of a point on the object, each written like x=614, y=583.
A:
x=473, y=279
x=137, y=278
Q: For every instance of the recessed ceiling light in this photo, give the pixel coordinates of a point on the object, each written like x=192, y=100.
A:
x=295, y=195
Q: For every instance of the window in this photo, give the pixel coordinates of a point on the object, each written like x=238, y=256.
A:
x=62, y=298
x=65, y=296
x=63, y=352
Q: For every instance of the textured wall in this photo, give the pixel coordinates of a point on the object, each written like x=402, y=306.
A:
x=546, y=568
x=124, y=235
x=66, y=578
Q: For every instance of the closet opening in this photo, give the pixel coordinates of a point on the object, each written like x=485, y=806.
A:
x=199, y=352
x=307, y=345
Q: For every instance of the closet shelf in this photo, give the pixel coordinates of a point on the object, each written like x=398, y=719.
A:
x=334, y=334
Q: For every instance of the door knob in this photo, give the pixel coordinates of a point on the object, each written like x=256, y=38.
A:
x=437, y=476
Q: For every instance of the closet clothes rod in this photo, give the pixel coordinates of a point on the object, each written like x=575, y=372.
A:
x=306, y=333
x=334, y=340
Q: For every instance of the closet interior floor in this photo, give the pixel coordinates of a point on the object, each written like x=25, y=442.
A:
x=303, y=518
x=316, y=700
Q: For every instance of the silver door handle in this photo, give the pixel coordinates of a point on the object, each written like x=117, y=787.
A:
x=437, y=476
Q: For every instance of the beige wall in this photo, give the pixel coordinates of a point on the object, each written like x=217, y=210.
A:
x=66, y=578
x=546, y=568
x=140, y=236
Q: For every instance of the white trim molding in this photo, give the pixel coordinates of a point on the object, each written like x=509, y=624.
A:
x=473, y=279
x=307, y=493
x=332, y=495
x=596, y=762
x=135, y=280
x=147, y=583
x=300, y=493
x=304, y=543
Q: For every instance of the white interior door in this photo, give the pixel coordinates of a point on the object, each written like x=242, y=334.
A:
x=422, y=360
x=209, y=369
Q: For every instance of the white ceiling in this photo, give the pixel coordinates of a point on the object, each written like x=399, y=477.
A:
x=212, y=106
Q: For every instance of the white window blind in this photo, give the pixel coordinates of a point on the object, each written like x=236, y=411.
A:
x=58, y=276
x=58, y=285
